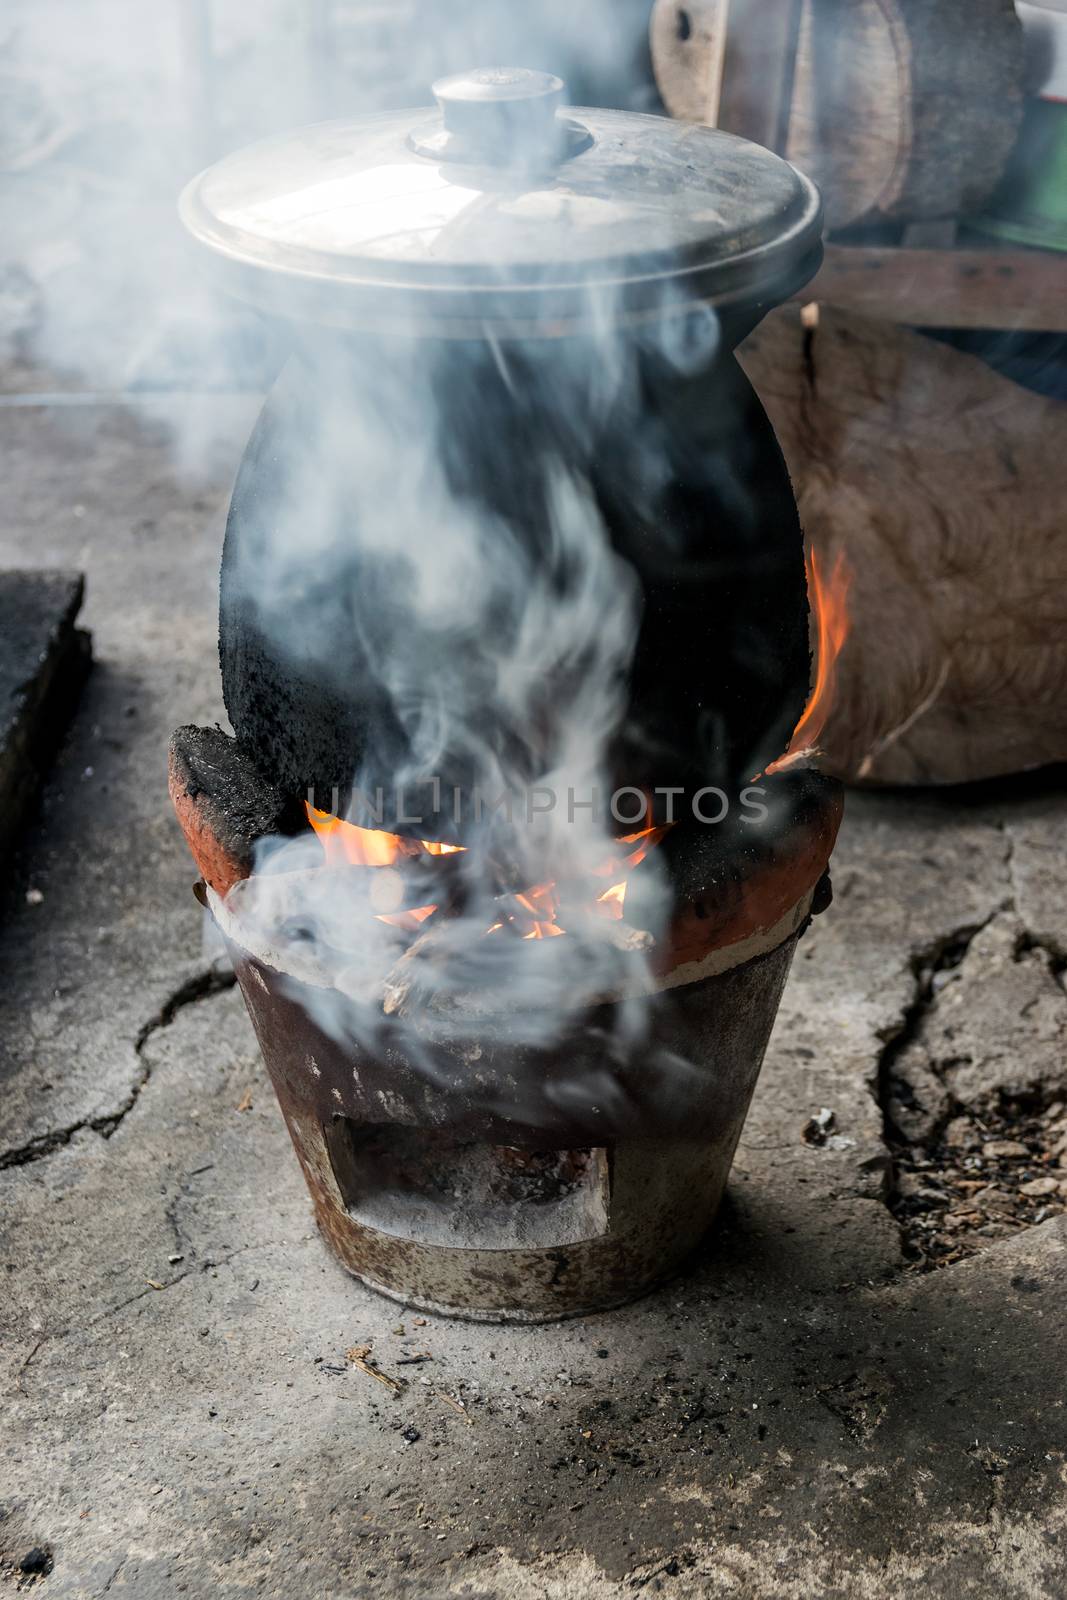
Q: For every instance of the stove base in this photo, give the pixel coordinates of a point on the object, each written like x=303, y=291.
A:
x=443, y=1212
x=652, y=1203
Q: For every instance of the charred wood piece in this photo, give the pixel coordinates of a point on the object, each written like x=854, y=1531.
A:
x=224, y=803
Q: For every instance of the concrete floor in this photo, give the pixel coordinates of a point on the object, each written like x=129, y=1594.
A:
x=799, y=1415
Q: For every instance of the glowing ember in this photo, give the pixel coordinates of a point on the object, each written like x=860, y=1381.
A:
x=541, y=906
x=828, y=598
x=532, y=914
x=410, y=921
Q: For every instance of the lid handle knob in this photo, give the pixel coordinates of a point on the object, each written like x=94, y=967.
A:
x=503, y=115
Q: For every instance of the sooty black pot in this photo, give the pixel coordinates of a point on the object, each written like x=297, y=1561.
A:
x=512, y=325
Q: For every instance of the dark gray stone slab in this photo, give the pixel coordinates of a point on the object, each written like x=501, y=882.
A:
x=112, y=931
x=43, y=662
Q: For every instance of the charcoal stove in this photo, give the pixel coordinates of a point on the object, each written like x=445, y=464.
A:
x=513, y=611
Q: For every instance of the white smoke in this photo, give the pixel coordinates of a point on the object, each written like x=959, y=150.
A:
x=116, y=104
x=491, y=646
x=108, y=107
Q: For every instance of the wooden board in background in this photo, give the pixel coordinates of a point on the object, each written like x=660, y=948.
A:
x=900, y=109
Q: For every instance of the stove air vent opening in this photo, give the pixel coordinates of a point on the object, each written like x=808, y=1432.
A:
x=440, y=1188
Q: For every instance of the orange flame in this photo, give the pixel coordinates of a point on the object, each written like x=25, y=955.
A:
x=542, y=905
x=829, y=604
x=344, y=842
x=613, y=899
x=645, y=840
x=532, y=913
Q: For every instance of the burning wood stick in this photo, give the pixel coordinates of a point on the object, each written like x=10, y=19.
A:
x=408, y=984
x=415, y=982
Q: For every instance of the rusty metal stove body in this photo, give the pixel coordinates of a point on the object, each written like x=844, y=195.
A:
x=457, y=1168
x=503, y=1183
x=436, y=1200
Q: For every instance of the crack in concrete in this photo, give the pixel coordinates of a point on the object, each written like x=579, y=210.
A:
x=207, y=1265
x=943, y=954
x=1051, y=947
x=107, y=1586
x=201, y=986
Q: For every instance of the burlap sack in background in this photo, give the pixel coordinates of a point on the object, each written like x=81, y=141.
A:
x=945, y=485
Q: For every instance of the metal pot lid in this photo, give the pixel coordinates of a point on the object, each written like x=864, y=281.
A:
x=503, y=209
